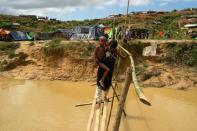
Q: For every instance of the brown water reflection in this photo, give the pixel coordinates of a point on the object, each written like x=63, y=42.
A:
x=49, y=106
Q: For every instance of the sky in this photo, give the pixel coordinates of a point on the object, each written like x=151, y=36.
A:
x=87, y=9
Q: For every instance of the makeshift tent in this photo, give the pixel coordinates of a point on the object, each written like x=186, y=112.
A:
x=19, y=36
x=86, y=32
x=4, y=34
x=63, y=33
x=108, y=31
x=43, y=36
x=30, y=35
x=138, y=34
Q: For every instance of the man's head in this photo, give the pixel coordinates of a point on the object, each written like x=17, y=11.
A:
x=102, y=40
x=113, y=44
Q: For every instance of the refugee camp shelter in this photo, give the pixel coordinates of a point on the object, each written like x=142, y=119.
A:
x=19, y=36
x=4, y=35
x=108, y=30
x=63, y=33
x=30, y=35
x=86, y=32
x=137, y=34
x=43, y=36
x=192, y=30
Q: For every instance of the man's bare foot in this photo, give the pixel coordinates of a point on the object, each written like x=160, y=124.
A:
x=101, y=83
x=106, y=99
x=97, y=106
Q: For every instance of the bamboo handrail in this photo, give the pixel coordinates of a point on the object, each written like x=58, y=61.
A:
x=138, y=89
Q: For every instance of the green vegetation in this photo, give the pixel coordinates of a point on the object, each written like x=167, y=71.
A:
x=182, y=54
x=9, y=48
x=136, y=47
x=167, y=23
x=81, y=49
x=53, y=49
x=57, y=49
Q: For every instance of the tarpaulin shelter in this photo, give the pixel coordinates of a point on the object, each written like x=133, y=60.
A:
x=19, y=36
x=4, y=34
x=30, y=35
x=86, y=32
x=137, y=34
x=44, y=36
x=109, y=31
x=63, y=33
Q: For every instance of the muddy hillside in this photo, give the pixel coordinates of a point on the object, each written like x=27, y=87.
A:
x=173, y=65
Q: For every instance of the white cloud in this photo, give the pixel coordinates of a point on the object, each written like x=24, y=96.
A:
x=45, y=7
x=135, y=2
x=63, y=7
x=100, y=7
x=163, y=4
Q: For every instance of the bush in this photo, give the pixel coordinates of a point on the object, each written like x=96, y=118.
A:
x=9, y=48
x=53, y=49
x=181, y=54
x=135, y=47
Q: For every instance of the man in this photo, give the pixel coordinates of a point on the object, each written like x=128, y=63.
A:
x=109, y=60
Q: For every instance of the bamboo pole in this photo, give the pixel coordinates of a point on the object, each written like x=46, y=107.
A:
x=104, y=117
x=112, y=103
x=97, y=121
x=125, y=114
x=122, y=100
x=90, y=120
x=138, y=89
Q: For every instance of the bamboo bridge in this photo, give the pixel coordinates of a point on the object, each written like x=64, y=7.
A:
x=100, y=116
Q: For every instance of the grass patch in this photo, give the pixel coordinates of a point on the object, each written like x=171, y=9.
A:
x=8, y=48
x=81, y=49
x=53, y=49
x=182, y=54
x=58, y=48
x=135, y=47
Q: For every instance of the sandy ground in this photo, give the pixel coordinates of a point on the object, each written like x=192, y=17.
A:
x=71, y=69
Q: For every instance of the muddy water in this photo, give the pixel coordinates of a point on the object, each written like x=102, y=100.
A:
x=49, y=106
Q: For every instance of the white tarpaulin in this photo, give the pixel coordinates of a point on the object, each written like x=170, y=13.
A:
x=150, y=50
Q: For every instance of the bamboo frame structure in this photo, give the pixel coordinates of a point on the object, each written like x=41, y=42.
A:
x=130, y=75
x=137, y=87
x=122, y=100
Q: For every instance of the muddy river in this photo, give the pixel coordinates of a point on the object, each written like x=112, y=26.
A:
x=50, y=106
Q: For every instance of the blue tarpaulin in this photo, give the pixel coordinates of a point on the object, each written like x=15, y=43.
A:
x=18, y=35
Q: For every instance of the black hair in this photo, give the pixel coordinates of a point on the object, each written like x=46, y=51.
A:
x=106, y=36
x=113, y=44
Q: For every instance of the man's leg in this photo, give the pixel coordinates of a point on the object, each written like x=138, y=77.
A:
x=106, y=95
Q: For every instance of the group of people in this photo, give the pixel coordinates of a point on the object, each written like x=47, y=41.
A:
x=105, y=56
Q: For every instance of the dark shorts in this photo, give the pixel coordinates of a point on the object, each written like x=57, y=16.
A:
x=107, y=81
